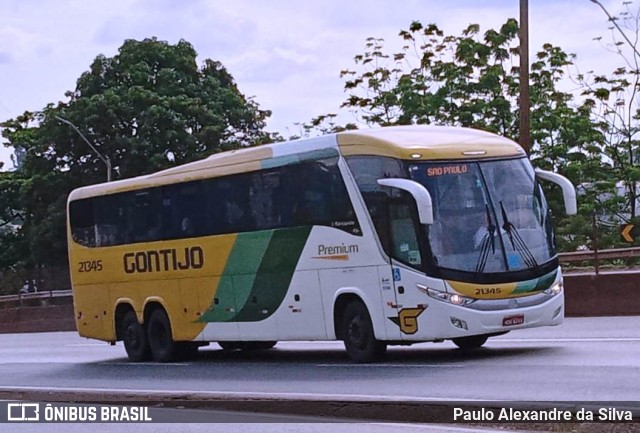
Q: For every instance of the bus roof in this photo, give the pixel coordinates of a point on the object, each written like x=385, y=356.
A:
x=415, y=142
x=429, y=142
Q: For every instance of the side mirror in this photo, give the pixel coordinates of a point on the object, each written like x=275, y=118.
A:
x=568, y=190
x=419, y=194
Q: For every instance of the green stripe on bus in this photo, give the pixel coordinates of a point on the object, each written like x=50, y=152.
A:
x=537, y=284
x=275, y=273
x=238, y=277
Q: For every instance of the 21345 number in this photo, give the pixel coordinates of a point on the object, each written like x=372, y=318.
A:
x=90, y=266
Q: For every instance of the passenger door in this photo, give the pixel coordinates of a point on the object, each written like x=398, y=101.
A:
x=407, y=264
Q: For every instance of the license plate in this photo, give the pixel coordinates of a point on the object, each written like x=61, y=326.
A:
x=513, y=320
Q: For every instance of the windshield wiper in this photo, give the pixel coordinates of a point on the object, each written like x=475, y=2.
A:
x=487, y=240
x=517, y=242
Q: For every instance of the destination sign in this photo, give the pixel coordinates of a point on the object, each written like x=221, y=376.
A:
x=448, y=169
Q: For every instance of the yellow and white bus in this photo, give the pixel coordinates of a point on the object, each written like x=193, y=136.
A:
x=394, y=235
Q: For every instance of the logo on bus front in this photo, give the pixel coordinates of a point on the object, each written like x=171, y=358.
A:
x=407, y=319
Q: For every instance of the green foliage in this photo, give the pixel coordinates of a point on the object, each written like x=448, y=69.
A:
x=147, y=108
x=472, y=80
x=462, y=80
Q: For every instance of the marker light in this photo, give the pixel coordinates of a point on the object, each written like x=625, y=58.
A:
x=416, y=155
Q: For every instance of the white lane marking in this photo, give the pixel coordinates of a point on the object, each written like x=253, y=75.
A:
x=443, y=427
x=386, y=365
x=156, y=364
x=86, y=345
x=564, y=340
x=256, y=395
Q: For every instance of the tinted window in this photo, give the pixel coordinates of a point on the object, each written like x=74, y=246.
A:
x=310, y=193
x=366, y=171
x=82, y=222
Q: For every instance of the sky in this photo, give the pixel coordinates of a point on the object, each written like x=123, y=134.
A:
x=287, y=54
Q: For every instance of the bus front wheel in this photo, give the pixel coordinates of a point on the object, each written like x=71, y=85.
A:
x=470, y=343
x=135, y=339
x=163, y=348
x=358, y=336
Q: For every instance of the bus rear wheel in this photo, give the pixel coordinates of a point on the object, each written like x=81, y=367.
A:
x=134, y=338
x=357, y=333
x=470, y=343
x=163, y=348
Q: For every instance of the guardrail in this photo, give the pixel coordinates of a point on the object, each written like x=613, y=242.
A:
x=37, y=295
x=597, y=255
x=614, y=253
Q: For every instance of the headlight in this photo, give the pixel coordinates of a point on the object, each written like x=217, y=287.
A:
x=555, y=289
x=452, y=298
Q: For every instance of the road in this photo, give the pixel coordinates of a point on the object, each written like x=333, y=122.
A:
x=585, y=359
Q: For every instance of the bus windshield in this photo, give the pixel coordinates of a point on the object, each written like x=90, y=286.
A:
x=489, y=216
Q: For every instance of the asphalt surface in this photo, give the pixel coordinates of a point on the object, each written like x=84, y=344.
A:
x=592, y=360
x=583, y=359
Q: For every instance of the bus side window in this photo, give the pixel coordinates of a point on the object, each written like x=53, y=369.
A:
x=317, y=198
x=82, y=220
x=283, y=197
x=404, y=237
x=235, y=202
x=321, y=197
x=182, y=214
x=378, y=206
x=147, y=222
x=263, y=187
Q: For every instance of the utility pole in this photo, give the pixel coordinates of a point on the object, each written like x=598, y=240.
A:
x=524, y=102
x=104, y=159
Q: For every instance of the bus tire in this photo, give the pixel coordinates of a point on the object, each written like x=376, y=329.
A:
x=357, y=333
x=135, y=339
x=471, y=342
x=163, y=348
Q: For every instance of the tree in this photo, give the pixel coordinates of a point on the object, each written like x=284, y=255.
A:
x=147, y=108
x=441, y=79
x=616, y=108
x=472, y=80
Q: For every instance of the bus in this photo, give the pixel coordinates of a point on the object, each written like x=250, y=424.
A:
x=376, y=237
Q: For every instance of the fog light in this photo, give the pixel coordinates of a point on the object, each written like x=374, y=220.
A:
x=459, y=323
